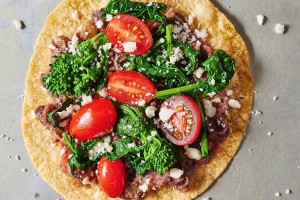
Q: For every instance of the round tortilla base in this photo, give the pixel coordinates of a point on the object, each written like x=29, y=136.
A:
x=45, y=157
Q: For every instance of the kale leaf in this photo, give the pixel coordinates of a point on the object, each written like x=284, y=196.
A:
x=220, y=68
x=74, y=75
x=80, y=153
x=151, y=11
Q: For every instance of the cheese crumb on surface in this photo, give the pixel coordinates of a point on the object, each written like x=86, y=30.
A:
x=176, y=173
x=109, y=17
x=279, y=28
x=75, y=15
x=275, y=98
x=103, y=92
x=229, y=92
x=206, y=198
x=150, y=111
x=277, y=194
x=270, y=133
x=198, y=72
x=193, y=153
x=86, y=99
x=107, y=46
x=216, y=100
x=18, y=24
x=288, y=191
x=17, y=157
x=99, y=24
x=201, y=34
x=86, y=180
x=144, y=187
x=51, y=46
x=24, y=170
x=234, y=103
x=209, y=109
x=129, y=47
x=141, y=102
x=165, y=114
x=260, y=19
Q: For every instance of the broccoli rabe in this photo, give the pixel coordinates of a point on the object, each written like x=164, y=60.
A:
x=83, y=73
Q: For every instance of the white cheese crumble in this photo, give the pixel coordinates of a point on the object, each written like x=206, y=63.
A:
x=150, y=111
x=107, y=46
x=177, y=54
x=131, y=145
x=103, y=92
x=279, y=28
x=24, y=170
x=129, y=47
x=206, y=198
x=144, y=187
x=141, y=102
x=33, y=115
x=212, y=82
x=100, y=148
x=209, y=109
x=86, y=180
x=229, y=92
x=176, y=173
x=62, y=152
x=198, y=72
x=99, y=24
x=275, y=98
x=260, y=19
x=216, y=100
x=201, y=34
x=73, y=44
x=270, y=133
x=75, y=16
x=51, y=46
x=18, y=24
x=234, y=103
x=153, y=133
x=165, y=113
x=277, y=194
x=109, y=17
x=86, y=99
x=288, y=191
x=193, y=153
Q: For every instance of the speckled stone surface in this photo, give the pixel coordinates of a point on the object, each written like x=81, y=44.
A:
x=264, y=165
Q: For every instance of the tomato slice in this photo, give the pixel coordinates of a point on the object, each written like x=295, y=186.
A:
x=184, y=125
x=130, y=87
x=111, y=176
x=93, y=120
x=126, y=28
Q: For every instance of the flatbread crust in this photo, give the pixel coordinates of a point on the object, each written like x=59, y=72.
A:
x=222, y=35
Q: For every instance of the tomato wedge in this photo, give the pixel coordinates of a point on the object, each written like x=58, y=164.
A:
x=182, y=120
x=93, y=120
x=123, y=31
x=111, y=176
x=130, y=87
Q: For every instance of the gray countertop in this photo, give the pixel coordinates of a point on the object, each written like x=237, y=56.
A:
x=263, y=166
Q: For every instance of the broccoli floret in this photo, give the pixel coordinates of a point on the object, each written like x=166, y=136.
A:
x=74, y=75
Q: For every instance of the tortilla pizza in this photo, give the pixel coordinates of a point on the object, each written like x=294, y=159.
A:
x=189, y=37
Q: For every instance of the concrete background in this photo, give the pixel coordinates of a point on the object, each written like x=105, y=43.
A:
x=273, y=164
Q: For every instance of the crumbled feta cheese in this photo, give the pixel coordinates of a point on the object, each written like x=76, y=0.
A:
x=150, y=111
x=73, y=44
x=257, y=113
x=153, y=133
x=107, y=46
x=288, y=191
x=229, y=92
x=212, y=82
x=190, y=19
x=260, y=19
x=109, y=17
x=127, y=64
x=86, y=180
x=131, y=145
x=149, y=138
x=150, y=3
x=234, y=103
x=209, y=109
x=277, y=194
x=279, y=28
x=129, y=47
x=141, y=102
x=103, y=92
x=193, y=153
x=33, y=115
x=62, y=152
x=216, y=100
x=201, y=34
x=24, y=170
x=176, y=173
x=144, y=187
x=100, y=148
x=17, y=157
x=206, y=198
x=51, y=46
x=75, y=15
x=176, y=56
x=165, y=113
x=275, y=98
x=86, y=99
x=18, y=24
x=270, y=133
x=99, y=24
x=198, y=72
x=176, y=29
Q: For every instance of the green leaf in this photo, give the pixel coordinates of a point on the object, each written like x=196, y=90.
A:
x=140, y=10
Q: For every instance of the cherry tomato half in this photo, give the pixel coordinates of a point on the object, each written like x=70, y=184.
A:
x=111, y=176
x=185, y=121
x=130, y=87
x=93, y=120
x=126, y=28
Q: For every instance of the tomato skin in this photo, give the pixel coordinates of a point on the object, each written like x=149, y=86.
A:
x=185, y=109
x=126, y=28
x=130, y=87
x=93, y=120
x=111, y=176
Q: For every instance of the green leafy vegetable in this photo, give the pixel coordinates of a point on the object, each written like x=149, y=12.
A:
x=140, y=10
x=80, y=153
x=74, y=75
x=154, y=152
x=51, y=115
x=220, y=67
